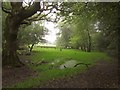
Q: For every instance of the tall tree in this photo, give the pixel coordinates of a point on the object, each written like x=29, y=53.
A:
x=32, y=35
x=81, y=17
x=87, y=15
x=64, y=35
x=108, y=16
x=19, y=14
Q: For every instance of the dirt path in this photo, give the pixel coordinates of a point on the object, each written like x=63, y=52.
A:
x=11, y=76
x=103, y=75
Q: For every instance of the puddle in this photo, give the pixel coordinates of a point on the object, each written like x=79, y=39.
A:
x=68, y=64
x=56, y=61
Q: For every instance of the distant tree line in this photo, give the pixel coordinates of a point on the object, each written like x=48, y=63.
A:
x=90, y=26
x=85, y=26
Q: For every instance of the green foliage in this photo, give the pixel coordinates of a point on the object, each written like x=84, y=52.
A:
x=4, y=15
x=7, y=5
x=108, y=17
x=64, y=35
x=101, y=42
x=83, y=24
x=74, y=41
x=32, y=34
x=81, y=18
x=88, y=19
x=53, y=55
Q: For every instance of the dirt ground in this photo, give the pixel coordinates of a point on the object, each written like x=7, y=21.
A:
x=11, y=76
x=102, y=75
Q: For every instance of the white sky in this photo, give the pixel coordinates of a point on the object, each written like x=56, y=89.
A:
x=51, y=37
x=52, y=31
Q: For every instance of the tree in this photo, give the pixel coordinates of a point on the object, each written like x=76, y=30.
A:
x=17, y=15
x=31, y=35
x=64, y=35
x=80, y=15
x=86, y=15
x=108, y=18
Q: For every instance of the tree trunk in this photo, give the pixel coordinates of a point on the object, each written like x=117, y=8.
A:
x=31, y=47
x=9, y=53
x=89, y=42
x=13, y=21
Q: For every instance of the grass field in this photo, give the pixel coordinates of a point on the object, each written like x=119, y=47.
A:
x=55, y=58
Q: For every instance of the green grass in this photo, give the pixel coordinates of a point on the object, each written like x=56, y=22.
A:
x=53, y=56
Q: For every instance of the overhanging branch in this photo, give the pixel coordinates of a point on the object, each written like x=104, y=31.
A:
x=6, y=10
x=30, y=11
x=38, y=17
x=26, y=22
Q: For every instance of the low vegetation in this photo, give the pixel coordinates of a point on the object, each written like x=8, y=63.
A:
x=53, y=58
x=84, y=33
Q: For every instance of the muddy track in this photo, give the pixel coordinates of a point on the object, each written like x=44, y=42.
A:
x=102, y=75
x=11, y=76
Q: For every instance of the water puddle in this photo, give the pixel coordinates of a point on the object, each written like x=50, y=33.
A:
x=55, y=62
x=68, y=64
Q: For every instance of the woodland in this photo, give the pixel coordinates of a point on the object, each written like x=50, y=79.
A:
x=87, y=43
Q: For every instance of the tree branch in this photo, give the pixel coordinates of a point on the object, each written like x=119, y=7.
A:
x=29, y=14
x=6, y=10
x=30, y=11
x=36, y=18
x=46, y=14
x=26, y=22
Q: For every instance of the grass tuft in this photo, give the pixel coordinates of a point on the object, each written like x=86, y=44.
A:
x=55, y=58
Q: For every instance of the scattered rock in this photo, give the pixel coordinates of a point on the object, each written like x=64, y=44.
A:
x=41, y=62
x=102, y=75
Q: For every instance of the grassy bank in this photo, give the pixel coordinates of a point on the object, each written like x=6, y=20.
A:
x=54, y=58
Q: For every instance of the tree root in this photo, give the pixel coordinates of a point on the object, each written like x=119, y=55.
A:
x=82, y=64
